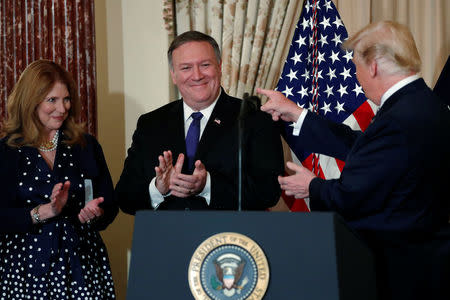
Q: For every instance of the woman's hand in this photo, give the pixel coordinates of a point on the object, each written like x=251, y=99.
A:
x=91, y=211
x=58, y=200
x=59, y=196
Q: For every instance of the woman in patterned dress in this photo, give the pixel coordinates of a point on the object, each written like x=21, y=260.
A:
x=56, y=194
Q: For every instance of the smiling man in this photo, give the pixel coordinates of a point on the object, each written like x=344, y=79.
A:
x=184, y=155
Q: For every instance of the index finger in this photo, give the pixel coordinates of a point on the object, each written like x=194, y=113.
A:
x=66, y=185
x=264, y=92
x=282, y=180
x=97, y=201
x=199, y=165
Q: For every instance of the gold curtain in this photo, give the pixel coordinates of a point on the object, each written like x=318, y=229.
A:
x=427, y=19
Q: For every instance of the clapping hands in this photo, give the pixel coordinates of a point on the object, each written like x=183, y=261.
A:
x=170, y=179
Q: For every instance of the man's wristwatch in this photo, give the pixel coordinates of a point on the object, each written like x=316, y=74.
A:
x=36, y=215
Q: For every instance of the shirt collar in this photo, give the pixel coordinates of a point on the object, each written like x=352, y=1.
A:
x=397, y=86
x=206, y=111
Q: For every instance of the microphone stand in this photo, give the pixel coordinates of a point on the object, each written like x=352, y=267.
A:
x=240, y=146
x=248, y=104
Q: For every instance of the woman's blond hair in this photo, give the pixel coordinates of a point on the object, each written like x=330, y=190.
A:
x=390, y=44
x=23, y=127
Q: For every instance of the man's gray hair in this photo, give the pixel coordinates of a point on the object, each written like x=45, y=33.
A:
x=192, y=36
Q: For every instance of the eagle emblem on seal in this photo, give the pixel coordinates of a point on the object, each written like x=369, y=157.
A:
x=229, y=268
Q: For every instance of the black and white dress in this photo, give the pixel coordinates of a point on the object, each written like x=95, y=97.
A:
x=61, y=259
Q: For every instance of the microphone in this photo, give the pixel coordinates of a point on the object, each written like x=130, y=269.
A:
x=249, y=104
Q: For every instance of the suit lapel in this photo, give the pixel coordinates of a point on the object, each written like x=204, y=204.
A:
x=175, y=129
x=221, y=121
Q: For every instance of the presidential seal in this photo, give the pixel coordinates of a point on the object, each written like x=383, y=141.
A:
x=228, y=266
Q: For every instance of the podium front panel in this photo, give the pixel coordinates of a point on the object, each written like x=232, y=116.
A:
x=301, y=250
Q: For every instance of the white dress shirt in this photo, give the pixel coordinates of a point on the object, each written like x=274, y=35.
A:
x=156, y=197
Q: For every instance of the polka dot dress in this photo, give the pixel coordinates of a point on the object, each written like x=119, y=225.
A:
x=61, y=259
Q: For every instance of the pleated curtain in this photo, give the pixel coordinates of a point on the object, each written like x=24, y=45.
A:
x=428, y=21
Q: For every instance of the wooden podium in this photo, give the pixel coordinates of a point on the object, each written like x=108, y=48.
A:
x=310, y=255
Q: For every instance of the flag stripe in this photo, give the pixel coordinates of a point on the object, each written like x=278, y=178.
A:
x=329, y=167
x=352, y=122
x=364, y=115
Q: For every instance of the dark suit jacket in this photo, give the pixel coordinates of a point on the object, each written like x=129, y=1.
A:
x=15, y=215
x=442, y=88
x=163, y=129
x=394, y=187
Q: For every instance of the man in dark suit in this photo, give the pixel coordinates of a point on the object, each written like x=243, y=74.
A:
x=167, y=169
x=393, y=189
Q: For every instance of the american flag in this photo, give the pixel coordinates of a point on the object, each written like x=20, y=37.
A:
x=320, y=76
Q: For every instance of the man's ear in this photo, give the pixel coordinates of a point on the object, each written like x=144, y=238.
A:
x=373, y=68
x=172, y=75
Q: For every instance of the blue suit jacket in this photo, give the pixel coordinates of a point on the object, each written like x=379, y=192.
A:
x=394, y=187
x=15, y=215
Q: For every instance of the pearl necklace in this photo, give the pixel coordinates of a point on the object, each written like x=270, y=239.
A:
x=50, y=145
